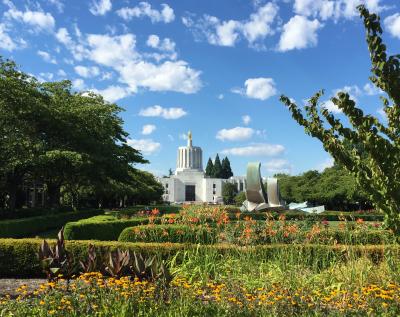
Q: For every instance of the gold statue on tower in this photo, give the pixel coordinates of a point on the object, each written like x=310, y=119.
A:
x=190, y=138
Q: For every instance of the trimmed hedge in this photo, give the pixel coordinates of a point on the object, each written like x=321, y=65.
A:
x=19, y=228
x=100, y=230
x=32, y=212
x=301, y=215
x=131, y=211
x=18, y=257
x=168, y=233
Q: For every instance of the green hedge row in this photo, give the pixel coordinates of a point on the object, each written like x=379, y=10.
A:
x=300, y=215
x=131, y=211
x=100, y=230
x=19, y=228
x=169, y=233
x=32, y=212
x=18, y=257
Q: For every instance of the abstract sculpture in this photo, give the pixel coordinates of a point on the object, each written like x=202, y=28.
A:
x=256, y=197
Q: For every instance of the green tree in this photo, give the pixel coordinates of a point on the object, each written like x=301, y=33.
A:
x=217, y=169
x=240, y=198
x=226, y=168
x=72, y=143
x=367, y=148
x=209, y=167
x=229, y=192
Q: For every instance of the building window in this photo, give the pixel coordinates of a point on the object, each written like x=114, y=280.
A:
x=241, y=186
x=214, y=186
x=166, y=191
x=166, y=185
x=214, y=192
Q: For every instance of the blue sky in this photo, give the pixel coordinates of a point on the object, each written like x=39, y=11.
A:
x=216, y=68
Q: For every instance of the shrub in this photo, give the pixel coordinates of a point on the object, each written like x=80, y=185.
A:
x=169, y=233
x=98, y=229
x=19, y=228
x=18, y=257
x=133, y=211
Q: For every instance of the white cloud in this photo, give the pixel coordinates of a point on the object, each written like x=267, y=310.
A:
x=331, y=107
x=39, y=20
x=146, y=146
x=100, y=7
x=334, y=9
x=166, y=113
x=299, y=33
x=257, y=88
x=78, y=84
x=170, y=137
x=183, y=136
x=258, y=149
x=276, y=166
x=58, y=4
x=325, y=164
x=6, y=42
x=143, y=9
x=382, y=113
x=371, y=90
x=164, y=45
x=168, y=76
x=392, y=24
x=235, y=134
x=113, y=93
x=227, y=33
x=246, y=119
x=45, y=77
x=111, y=50
x=148, y=129
x=47, y=57
x=259, y=24
x=119, y=53
x=61, y=73
x=220, y=96
x=87, y=72
x=63, y=36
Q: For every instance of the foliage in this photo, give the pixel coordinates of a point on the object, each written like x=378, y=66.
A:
x=96, y=295
x=25, y=227
x=100, y=230
x=229, y=191
x=217, y=169
x=168, y=233
x=56, y=261
x=226, y=168
x=72, y=144
x=209, y=168
x=240, y=198
x=25, y=262
x=368, y=149
x=335, y=188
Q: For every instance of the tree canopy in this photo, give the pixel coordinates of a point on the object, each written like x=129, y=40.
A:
x=71, y=143
x=366, y=147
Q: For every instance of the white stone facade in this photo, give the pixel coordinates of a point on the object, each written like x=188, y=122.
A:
x=190, y=184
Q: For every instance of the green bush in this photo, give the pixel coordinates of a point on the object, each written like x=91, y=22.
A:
x=103, y=230
x=32, y=212
x=18, y=257
x=19, y=228
x=132, y=211
x=169, y=233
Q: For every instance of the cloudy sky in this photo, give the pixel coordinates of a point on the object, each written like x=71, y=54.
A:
x=214, y=67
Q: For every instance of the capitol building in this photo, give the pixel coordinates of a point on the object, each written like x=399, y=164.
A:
x=190, y=183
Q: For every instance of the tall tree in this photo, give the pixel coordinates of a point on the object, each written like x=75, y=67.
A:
x=229, y=191
x=226, y=168
x=217, y=170
x=209, y=167
x=367, y=148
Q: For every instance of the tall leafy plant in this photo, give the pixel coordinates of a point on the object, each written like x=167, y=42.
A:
x=368, y=148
